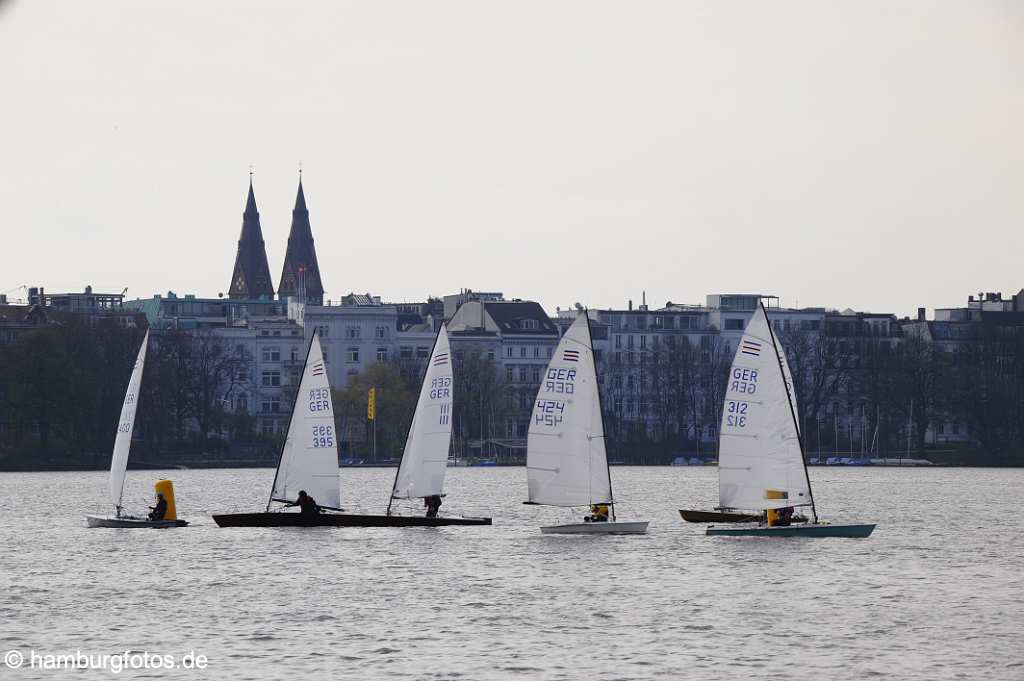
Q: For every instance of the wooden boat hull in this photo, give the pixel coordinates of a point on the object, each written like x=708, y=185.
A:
x=728, y=517
x=613, y=527
x=105, y=521
x=808, y=530
x=338, y=520
x=717, y=517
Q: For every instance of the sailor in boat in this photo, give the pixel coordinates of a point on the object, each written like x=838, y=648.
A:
x=433, y=505
x=598, y=514
x=307, y=504
x=160, y=510
x=782, y=517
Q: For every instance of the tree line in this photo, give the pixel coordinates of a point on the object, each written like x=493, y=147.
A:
x=61, y=389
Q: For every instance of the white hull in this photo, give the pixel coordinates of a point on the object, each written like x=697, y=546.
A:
x=106, y=521
x=617, y=527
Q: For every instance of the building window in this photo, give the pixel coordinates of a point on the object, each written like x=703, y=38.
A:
x=241, y=402
x=352, y=355
x=405, y=352
x=271, y=405
x=323, y=330
x=508, y=373
x=629, y=341
x=550, y=350
x=618, y=341
x=734, y=324
x=382, y=354
x=271, y=354
x=422, y=352
x=380, y=332
x=522, y=351
x=535, y=374
x=352, y=332
x=241, y=375
x=490, y=354
x=272, y=379
x=522, y=374
x=508, y=351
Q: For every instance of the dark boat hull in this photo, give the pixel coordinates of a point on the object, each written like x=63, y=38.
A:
x=338, y=520
x=809, y=530
x=717, y=517
x=727, y=517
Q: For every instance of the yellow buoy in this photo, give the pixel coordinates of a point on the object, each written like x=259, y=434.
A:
x=166, y=487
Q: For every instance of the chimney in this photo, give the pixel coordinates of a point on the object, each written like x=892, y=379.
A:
x=920, y=314
x=630, y=305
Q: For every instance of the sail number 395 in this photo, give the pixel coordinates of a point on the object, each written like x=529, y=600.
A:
x=323, y=436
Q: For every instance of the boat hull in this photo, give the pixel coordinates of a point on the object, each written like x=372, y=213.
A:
x=338, y=520
x=615, y=527
x=808, y=530
x=727, y=517
x=105, y=521
x=717, y=517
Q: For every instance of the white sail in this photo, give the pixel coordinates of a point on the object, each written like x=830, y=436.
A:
x=565, y=453
x=309, y=460
x=425, y=459
x=125, y=426
x=760, y=464
x=788, y=376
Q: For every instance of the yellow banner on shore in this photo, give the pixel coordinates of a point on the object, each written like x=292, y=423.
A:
x=371, y=404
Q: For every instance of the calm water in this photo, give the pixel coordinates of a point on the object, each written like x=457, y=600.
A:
x=936, y=593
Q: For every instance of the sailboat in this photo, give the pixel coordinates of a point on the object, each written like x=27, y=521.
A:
x=724, y=513
x=309, y=458
x=566, y=461
x=119, y=458
x=761, y=463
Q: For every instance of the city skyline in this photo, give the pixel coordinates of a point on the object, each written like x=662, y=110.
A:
x=588, y=156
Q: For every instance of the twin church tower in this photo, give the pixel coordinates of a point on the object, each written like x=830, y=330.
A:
x=300, y=276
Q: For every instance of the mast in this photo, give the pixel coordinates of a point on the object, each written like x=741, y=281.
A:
x=600, y=409
x=792, y=412
x=398, y=470
x=280, y=456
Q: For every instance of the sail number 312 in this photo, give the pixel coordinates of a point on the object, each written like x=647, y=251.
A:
x=736, y=414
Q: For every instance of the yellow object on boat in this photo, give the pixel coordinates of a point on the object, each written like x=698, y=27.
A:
x=773, y=515
x=166, y=487
x=775, y=494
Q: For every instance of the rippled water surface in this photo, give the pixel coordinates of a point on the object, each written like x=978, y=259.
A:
x=936, y=593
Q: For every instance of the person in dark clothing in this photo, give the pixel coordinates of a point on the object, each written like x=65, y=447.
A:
x=433, y=504
x=160, y=510
x=785, y=516
x=598, y=514
x=307, y=504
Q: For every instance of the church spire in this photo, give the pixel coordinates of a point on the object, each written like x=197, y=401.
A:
x=300, y=276
x=251, y=277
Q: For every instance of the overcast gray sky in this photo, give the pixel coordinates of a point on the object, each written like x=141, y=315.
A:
x=847, y=154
